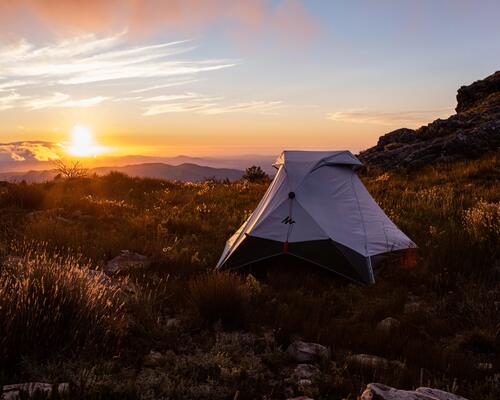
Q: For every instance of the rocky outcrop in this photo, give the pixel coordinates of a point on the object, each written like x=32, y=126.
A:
x=472, y=132
x=378, y=391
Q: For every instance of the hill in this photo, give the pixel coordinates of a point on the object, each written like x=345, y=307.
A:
x=469, y=134
x=186, y=172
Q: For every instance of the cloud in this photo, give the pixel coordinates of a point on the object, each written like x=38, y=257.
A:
x=62, y=100
x=163, y=86
x=364, y=116
x=203, y=104
x=10, y=100
x=88, y=59
x=263, y=107
x=29, y=151
x=94, y=61
x=287, y=19
x=9, y=85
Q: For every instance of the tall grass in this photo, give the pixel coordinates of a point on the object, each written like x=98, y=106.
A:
x=53, y=304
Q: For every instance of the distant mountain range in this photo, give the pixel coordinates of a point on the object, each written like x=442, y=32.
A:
x=183, y=172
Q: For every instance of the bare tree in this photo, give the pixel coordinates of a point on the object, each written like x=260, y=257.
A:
x=70, y=169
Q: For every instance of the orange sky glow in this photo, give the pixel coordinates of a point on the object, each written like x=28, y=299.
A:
x=217, y=77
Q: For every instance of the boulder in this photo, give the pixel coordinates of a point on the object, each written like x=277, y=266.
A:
x=378, y=391
x=374, y=362
x=153, y=359
x=126, y=262
x=300, y=398
x=305, y=371
x=303, y=352
x=388, y=325
x=13, y=392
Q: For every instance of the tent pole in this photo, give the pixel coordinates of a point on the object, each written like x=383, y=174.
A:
x=370, y=269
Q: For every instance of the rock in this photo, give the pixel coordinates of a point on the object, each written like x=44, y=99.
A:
x=374, y=362
x=153, y=359
x=438, y=394
x=412, y=307
x=173, y=323
x=13, y=392
x=378, y=391
x=472, y=132
x=388, y=325
x=99, y=276
x=305, y=371
x=304, y=352
x=299, y=398
x=126, y=262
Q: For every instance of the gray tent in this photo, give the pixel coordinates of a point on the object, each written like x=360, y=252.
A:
x=317, y=210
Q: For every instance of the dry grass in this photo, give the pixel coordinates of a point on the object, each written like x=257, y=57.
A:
x=54, y=304
x=447, y=304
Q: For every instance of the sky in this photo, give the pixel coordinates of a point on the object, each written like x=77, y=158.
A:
x=229, y=77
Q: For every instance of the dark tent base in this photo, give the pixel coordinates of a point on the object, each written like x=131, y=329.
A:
x=257, y=254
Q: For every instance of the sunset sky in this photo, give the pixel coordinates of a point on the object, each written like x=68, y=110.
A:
x=222, y=77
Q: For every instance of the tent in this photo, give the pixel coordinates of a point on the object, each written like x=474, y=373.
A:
x=317, y=210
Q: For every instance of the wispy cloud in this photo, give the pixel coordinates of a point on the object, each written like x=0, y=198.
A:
x=9, y=85
x=62, y=100
x=207, y=105
x=364, y=116
x=88, y=59
x=27, y=70
x=166, y=85
x=9, y=100
x=264, y=107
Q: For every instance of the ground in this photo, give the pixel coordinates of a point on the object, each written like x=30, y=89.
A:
x=173, y=328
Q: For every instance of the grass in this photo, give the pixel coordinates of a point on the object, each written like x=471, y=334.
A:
x=60, y=322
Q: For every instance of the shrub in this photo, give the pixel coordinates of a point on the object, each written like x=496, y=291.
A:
x=50, y=304
x=22, y=195
x=255, y=174
x=220, y=296
x=483, y=221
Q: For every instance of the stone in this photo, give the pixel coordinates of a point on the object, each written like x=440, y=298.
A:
x=153, y=359
x=412, y=307
x=379, y=391
x=13, y=392
x=299, y=398
x=303, y=352
x=173, y=323
x=388, y=325
x=374, y=362
x=305, y=371
x=126, y=262
x=437, y=394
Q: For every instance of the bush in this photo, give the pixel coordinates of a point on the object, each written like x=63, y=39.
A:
x=255, y=174
x=51, y=304
x=220, y=296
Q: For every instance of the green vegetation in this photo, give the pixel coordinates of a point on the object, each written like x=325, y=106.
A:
x=218, y=335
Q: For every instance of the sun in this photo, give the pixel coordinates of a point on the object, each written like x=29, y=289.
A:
x=83, y=143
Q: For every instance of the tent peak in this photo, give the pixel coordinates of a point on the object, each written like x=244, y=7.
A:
x=317, y=157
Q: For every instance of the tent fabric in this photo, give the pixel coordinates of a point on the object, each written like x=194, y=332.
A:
x=317, y=202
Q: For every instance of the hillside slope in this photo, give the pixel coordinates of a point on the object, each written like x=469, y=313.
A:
x=186, y=172
x=473, y=131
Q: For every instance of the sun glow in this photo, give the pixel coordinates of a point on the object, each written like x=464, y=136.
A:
x=83, y=144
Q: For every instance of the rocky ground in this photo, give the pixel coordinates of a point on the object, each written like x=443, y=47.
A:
x=470, y=133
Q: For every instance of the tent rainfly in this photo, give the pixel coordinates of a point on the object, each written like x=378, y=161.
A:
x=317, y=210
